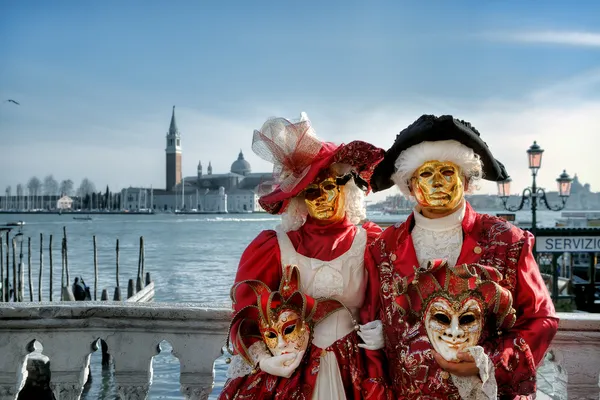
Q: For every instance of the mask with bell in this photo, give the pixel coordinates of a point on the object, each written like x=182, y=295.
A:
x=456, y=305
x=438, y=185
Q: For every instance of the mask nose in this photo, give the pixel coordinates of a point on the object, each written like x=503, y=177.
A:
x=454, y=331
x=438, y=180
x=281, y=343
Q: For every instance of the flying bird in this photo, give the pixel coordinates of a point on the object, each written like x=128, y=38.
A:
x=12, y=101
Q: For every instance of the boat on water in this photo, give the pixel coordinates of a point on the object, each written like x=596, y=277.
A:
x=579, y=219
x=87, y=218
x=15, y=223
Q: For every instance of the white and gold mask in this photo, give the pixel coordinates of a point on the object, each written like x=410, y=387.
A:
x=453, y=327
x=438, y=185
x=289, y=334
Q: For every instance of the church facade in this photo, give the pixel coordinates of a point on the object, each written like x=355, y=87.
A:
x=236, y=191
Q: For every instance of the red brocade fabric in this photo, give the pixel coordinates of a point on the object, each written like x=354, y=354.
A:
x=262, y=261
x=413, y=372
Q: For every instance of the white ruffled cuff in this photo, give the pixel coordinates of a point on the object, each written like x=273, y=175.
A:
x=240, y=367
x=483, y=387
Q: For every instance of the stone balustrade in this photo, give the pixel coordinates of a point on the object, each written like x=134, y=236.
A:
x=68, y=333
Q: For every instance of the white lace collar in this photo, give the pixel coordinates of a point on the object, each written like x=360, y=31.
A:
x=440, y=224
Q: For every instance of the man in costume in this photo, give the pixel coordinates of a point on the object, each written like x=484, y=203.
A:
x=436, y=160
x=319, y=192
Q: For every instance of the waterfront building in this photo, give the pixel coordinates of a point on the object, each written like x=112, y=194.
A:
x=64, y=203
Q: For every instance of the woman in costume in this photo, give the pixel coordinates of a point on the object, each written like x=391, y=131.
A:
x=319, y=193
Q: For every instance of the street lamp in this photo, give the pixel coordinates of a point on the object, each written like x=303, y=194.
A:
x=532, y=193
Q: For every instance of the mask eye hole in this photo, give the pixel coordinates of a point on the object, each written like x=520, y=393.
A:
x=288, y=330
x=425, y=174
x=270, y=335
x=448, y=172
x=466, y=319
x=443, y=318
x=329, y=186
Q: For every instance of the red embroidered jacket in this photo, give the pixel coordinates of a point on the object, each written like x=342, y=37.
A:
x=412, y=371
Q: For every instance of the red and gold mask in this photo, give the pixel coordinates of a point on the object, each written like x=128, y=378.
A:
x=455, y=303
x=324, y=198
x=282, y=319
x=438, y=185
x=288, y=333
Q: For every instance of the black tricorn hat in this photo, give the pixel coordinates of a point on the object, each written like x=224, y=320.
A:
x=429, y=128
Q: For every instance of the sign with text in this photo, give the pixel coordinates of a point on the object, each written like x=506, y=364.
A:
x=567, y=244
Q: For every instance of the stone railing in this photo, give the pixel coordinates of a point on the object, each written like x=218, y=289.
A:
x=68, y=333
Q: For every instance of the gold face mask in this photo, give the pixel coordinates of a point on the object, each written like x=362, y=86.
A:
x=438, y=185
x=324, y=199
x=288, y=334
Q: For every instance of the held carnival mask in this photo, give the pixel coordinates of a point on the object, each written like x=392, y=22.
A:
x=438, y=185
x=456, y=304
x=282, y=319
x=324, y=197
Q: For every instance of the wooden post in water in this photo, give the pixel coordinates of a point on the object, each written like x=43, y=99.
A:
x=66, y=255
x=41, y=266
x=104, y=295
x=95, y=269
x=7, y=279
x=2, y=269
x=131, y=288
x=29, y=268
x=117, y=296
x=62, y=265
x=14, y=249
x=21, y=279
x=51, y=269
x=140, y=274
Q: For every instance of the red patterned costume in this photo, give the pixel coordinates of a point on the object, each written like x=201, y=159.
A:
x=330, y=258
x=482, y=239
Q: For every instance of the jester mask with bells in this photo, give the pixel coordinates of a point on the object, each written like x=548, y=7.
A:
x=456, y=304
x=438, y=185
x=283, y=319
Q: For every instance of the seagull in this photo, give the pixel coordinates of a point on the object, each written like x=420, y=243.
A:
x=12, y=101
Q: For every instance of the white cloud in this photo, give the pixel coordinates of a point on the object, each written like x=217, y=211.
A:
x=567, y=38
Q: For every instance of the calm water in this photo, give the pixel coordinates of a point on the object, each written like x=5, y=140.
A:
x=191, y=259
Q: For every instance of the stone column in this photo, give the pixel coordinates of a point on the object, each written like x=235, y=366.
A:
x=132, y=354
x=197, y=356
x=13, y=368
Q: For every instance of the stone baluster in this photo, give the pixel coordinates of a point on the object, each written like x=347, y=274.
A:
x=13, y=368
x=69, y=353
x=132, y=356
x=196, y=358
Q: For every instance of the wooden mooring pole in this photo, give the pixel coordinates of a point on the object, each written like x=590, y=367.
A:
x=2, y=269
x=29, y=269
x=7, y=279
x=117, y=296
x=51, y=269
x=41, y=267
x=14, y=251
x=66, y=254
x=95, y=269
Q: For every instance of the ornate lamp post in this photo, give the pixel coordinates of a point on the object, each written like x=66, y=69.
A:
x=533, y=193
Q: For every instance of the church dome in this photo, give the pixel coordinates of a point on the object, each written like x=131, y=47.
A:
x=240, y=166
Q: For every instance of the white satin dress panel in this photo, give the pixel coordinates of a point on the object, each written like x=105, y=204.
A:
x=343, y=279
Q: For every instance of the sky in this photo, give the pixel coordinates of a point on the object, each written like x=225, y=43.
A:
x=96, y=81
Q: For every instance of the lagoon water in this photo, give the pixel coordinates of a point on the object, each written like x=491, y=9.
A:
x=192, y=258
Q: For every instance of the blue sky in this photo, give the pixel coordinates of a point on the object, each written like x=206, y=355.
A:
x=97, y=80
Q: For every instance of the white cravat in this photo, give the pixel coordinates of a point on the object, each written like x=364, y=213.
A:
x=439, y=238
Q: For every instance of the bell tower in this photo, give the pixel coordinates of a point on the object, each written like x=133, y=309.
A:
x=173, y=152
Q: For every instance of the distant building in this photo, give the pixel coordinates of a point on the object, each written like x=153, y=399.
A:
x=64, y=203
x=236, y=191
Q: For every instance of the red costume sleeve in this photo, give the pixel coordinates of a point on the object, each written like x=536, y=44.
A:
x=261, y=261
x=518, y=352
x=375, y=386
